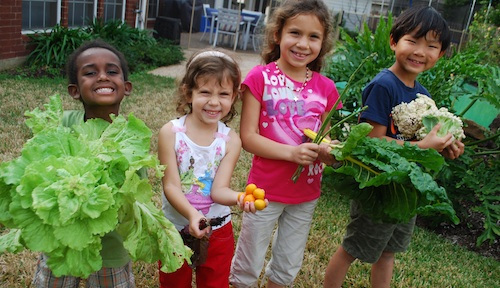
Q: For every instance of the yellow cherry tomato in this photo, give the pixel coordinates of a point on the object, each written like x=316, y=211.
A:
x=259, y=204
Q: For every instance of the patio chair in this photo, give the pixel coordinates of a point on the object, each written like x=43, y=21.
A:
x=229, y=23
x=207, y=18
x=258, y=33
x=257, y=28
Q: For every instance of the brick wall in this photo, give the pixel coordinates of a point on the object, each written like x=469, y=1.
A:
x=12, y=42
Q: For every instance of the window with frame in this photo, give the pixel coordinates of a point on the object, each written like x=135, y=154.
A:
x=113, y=10
x=80, y=12
x=153, y=9
x=39, y=14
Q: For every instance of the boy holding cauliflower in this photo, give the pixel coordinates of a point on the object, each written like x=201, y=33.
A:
x=419, y=37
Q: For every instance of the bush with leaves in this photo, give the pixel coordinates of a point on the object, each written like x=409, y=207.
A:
x=485, y=35
x=140, y=48
x=52, y=47
x=472, y=181
x=348, y=56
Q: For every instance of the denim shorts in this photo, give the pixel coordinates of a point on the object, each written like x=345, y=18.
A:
x=366, y=239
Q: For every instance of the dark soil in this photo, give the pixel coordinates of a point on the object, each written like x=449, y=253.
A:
x=465, y=233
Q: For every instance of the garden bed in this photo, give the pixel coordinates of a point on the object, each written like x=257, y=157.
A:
x=465, y=233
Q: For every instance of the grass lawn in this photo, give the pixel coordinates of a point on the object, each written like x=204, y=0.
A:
x=430, y=262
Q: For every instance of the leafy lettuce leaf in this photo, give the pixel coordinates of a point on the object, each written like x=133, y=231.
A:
x=72, y=185
x=391, y=182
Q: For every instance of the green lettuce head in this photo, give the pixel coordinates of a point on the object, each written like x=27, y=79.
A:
x=72, y=185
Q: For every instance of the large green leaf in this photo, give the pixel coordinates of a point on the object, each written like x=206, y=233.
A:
x=391, y=182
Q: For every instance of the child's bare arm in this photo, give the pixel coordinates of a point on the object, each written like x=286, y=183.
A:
x=172, y=183
x=254, y=143
x=221, y=192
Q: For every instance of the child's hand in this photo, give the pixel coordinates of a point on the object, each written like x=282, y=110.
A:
x=194, y=227
x=454, y=150
x=305, y=153
x=435, y=142
x=249, y=206
x=324, y=153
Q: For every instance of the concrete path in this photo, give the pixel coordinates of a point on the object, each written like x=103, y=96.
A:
x=247, y=59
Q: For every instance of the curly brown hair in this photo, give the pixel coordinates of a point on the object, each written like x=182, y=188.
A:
x=213, y=63
x=292, y=8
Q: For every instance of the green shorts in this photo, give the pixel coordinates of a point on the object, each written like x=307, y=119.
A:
x=366, y=239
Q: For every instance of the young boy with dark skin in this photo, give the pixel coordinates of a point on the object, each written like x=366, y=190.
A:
x=419, y=37
x=98, y=77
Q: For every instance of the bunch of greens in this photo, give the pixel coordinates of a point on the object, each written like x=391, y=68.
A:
x=72, y=185
x=391, y=182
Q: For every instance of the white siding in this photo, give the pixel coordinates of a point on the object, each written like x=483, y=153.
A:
x=354, y=6
x=355, y=11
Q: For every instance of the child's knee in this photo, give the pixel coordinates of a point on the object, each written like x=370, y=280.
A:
x=386, y=257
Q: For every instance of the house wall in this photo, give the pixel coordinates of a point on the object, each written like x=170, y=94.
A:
x=13, y=44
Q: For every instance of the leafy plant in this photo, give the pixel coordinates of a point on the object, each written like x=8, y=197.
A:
x=119, y=33
x=473, y=178
x=140, y=48
x=484, y=33
x=71, y=186
x=349, y=55
x=391, y=182
x=52, y=47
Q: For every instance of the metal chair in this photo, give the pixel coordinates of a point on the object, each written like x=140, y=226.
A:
x=257, y=33
x=229, y=23
x=207, y=15
x=257, y=18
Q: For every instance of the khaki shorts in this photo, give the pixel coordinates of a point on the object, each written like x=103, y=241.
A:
x=366, y=239
x=121, y=277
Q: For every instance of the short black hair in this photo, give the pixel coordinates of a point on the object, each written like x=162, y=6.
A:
x=424, y=19
x=72, y=70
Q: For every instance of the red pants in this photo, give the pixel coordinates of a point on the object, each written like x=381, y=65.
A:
x=214, y=273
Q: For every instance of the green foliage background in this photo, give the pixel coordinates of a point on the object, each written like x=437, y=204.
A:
x=471, y=177
x=142, y=51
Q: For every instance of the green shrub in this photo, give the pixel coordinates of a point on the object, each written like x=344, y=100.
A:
x=52, y=47
x=142, y=51
x=347, y=57
x=485, y=35
x=472, y=180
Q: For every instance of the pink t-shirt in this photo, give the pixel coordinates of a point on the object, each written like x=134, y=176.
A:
x=283, y=116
